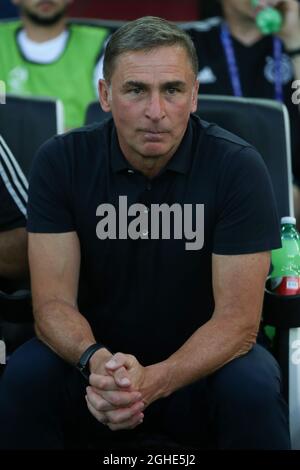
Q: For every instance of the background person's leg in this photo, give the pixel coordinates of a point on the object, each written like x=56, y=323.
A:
x=35, y=398
x=249, y=409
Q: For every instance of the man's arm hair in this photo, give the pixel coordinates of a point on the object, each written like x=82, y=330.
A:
x=238, y=285
x=13, y=254
x=54, y=267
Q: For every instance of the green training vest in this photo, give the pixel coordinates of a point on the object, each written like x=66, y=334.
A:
x=69, y=78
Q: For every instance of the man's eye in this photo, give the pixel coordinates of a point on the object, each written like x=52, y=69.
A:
x=135, y=91
x=172, y=91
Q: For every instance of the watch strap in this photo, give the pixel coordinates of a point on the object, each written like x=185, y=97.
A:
x=83, y=363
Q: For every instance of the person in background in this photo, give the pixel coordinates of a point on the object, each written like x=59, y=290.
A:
x=43, y=55
x=236, y=58
x=180, y=311
x=13, y=217
x=15, y=325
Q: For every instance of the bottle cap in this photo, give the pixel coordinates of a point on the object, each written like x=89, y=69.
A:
x=269, y=20
x=288, y=220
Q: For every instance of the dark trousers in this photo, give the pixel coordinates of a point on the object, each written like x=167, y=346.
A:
x=238, y=407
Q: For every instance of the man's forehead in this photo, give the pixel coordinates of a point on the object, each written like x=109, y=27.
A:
x=174, y=52
x=167, y=60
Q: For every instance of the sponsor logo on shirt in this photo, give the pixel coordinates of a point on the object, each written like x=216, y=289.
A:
x=286, y=69
x=17, y=79
x=206, y=75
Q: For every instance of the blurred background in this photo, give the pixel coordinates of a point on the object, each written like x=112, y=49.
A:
x=126, y=10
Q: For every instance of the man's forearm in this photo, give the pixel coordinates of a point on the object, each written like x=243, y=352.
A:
x=209, y=348
x=13, y=254
x=62, y=327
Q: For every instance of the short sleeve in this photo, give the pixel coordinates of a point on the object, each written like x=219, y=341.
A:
x=50, y=193
x=247, y=218
x=13, y=191
x=12, y=208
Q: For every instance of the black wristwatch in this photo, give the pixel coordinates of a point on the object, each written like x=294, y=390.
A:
x=83, y=363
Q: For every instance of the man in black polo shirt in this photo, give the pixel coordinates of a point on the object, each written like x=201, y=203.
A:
x=236, y=58
x=176, y=296
x=13, y=200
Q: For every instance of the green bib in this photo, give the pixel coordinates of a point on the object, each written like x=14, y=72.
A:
x=69, y=78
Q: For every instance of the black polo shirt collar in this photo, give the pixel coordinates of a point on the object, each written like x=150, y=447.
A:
x=179, y=163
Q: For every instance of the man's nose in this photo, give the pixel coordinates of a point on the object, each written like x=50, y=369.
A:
x=155, y=107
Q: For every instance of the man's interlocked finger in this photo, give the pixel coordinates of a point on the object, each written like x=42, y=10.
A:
x=100, y=416
x=121, y=398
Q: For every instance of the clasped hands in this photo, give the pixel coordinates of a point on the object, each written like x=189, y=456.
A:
x=114, y=396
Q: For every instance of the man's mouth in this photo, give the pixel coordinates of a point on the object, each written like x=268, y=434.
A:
x=46, y=4
x=153, y=131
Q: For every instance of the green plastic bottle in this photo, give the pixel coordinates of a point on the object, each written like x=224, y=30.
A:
x=268, y=20
x=285, y=274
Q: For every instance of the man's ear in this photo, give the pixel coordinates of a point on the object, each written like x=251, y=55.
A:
x=104, y=95
x=195, y=92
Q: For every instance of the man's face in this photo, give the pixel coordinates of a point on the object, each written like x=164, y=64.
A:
x=151, y=96
x=44, y=12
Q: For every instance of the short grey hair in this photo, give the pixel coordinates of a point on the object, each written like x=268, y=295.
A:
x=146, y=34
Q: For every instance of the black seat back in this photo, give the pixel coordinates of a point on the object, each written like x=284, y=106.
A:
x=25, y=123
x=265, y=125
x=94, y=113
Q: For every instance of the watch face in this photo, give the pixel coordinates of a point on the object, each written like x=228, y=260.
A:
x=84, y=370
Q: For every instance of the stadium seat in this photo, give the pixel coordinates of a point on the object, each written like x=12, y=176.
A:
x=25, y=123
